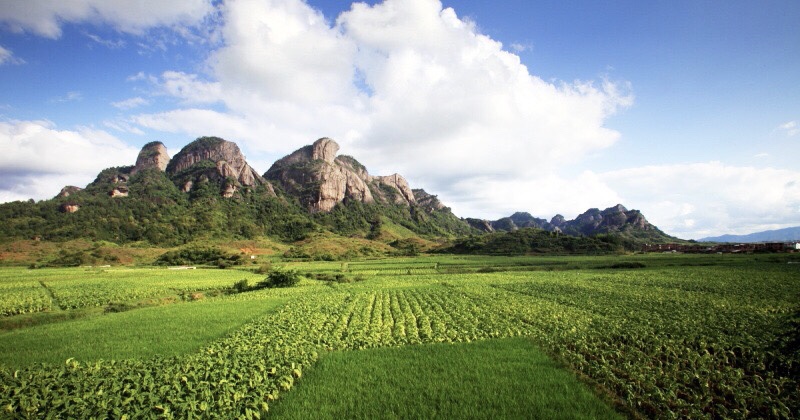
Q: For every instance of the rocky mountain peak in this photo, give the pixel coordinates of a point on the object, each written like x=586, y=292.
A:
x=321, y=179
x=558, y=220
x=324, y=149
x=619, y=208
x=213, y=158
x=152, y=156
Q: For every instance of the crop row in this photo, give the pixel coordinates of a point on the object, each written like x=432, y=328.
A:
x=20, y=297
x=241, y=374
x=665, y=355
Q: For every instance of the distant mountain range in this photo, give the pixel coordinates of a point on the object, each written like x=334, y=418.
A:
x=614, y=220
x=779, y=235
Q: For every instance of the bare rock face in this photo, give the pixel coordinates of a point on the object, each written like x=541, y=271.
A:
x=214, y=159
x=152, y=156
x=324, y=149
x=68, y=191
x=120, y=191
x=321, y=179
x=69, y=207
x=396, y=183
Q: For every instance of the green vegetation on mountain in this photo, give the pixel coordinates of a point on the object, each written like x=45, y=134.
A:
x=326, y=206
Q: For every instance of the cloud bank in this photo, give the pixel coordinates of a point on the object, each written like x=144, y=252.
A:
x=705, y=199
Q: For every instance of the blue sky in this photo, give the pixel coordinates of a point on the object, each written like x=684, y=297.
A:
x=685, y=110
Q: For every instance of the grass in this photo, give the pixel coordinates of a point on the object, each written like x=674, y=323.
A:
x=137, y=334
x=504, y=378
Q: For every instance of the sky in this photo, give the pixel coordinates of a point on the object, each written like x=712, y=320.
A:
x=686, y=110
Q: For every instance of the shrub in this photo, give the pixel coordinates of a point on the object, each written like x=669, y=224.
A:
x=241, y=286
x=199, y=255
x=264, y=268
x=280, y=278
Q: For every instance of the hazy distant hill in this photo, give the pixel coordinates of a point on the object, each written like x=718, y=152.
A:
x=779, y=235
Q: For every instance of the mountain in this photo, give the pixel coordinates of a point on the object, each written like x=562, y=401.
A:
x=209, y=191
x=321, y=179
x=216, y=160
x=630, y=224
x=779, y=235
x=322, y=202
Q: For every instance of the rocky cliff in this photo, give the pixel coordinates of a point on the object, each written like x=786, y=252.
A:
x=321, y=179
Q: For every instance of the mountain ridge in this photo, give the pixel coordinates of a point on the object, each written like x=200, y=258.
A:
x=209, y=190
x=615, y=220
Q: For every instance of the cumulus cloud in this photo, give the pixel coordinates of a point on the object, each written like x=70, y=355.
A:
x=407, y=85
x=38, y=159
x=706, y=199
x=45, y=17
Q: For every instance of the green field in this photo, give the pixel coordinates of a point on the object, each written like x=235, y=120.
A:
x=653, y=335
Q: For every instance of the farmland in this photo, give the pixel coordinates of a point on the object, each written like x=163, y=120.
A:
x=658, y=335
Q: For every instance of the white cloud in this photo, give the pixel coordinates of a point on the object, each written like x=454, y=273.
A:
x=519, y=47
x=38, y=159
x=45, y=17
x=189, y=89
x=543, y=196
x=131, y=103
x=195, y=122
x=112, y=44
x=689, y=201
x=706, y=199
x=406, y=85
x=124, y=126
